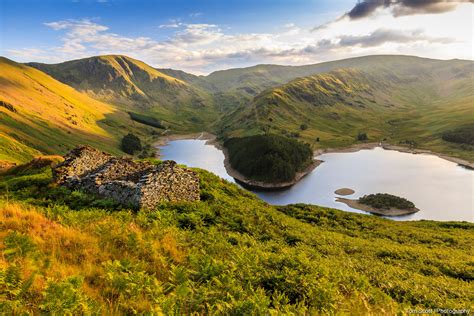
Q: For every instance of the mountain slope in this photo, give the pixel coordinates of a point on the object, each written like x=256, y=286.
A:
x=394, y=101
x=134, y=85
x=66, y=252
x=40, y=114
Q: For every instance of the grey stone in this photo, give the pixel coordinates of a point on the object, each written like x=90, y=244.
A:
x=130, y=183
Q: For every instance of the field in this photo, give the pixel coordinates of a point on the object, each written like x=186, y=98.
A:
x=230, y=253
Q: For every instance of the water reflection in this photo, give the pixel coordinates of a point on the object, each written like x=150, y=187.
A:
x=441, y=189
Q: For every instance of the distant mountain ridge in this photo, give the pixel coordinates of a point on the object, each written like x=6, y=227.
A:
x=399, y=98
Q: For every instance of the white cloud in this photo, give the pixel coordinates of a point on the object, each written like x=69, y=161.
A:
x=201, y=48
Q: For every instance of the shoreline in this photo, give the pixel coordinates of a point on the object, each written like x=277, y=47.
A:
x=386, y=146
x=163, y=140
x=211, y=139
x=366, y=208
x=265, y=186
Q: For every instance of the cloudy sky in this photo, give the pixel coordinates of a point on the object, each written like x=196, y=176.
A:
x=207, y=35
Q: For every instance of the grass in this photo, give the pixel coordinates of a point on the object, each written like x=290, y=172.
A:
x=230, y=253
x=403, y=101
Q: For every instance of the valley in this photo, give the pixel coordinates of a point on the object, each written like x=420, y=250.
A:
x=250, y=158
x=401, y=100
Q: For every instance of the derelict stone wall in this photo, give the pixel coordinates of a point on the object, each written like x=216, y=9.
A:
x=130, y=183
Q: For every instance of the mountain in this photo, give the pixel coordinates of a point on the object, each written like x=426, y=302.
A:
x=405, y=99
x=133, y=85
x=41, y=114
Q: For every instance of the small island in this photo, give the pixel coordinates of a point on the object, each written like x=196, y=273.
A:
x=382, y=204
x=344, y=191
x=268, y=162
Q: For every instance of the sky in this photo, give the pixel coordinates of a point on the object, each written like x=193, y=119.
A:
x=202, y=36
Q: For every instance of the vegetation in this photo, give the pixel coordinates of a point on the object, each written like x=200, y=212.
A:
x=395, y=98
x=461, y=135
x=387, y=97
x=268, y=158
x=362, y=137
x=386, y=201
x=66, y=252
x=147, y=120
x=131, y=144
x=39, y=114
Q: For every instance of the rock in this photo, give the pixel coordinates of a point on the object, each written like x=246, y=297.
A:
x=130, y=183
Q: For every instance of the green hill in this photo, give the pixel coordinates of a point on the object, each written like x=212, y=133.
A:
x=66, y=252
x=133, y=85
x=410, y=100
x=39, y=114
x=404, y=99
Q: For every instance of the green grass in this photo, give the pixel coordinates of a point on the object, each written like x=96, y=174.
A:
x=230, y=253
x=415, y=103
x=399, y=99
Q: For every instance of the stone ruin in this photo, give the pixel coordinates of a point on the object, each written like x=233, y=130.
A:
x=130, y=183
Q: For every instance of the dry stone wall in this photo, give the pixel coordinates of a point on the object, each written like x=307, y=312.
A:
x=130, y=183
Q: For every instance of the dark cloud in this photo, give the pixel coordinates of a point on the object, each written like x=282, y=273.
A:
x=365, y=8
x=382, y=36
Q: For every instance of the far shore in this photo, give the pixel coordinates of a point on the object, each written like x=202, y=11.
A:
x=386, y=146
x=211, y=139
x=385, y=212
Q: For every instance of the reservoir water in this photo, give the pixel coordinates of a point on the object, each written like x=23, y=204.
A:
x=441, y=189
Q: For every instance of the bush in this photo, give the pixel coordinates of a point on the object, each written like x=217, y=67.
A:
x=461, y=135
x=147, y=120
x=386, y=201
x=362, y=137
x=303, y=127
x=268, y=158
x=131, y=144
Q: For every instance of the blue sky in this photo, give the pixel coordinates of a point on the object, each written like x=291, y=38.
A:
x=203, y=36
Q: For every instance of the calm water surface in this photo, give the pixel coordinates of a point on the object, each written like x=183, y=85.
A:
x=441, y=189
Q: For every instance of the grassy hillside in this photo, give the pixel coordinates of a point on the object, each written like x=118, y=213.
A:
x=401, y=102
x=133, y=85
x=41, y=114
x=231, y=253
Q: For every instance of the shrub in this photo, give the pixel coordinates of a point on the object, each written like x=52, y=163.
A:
x=461, y=135
x=147, y=120
x=268, y=158
x=66, y=298
x=362, y=137
x=386, y=201
x=131, y=144
x=303, y=127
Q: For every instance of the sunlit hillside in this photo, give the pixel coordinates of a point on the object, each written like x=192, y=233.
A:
x=39, y=113
x=228, y=254
x=133, y=85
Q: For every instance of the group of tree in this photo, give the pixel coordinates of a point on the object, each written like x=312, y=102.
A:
x=461, y=135
x=386, y=201
x=131, y=144
x=269, y=158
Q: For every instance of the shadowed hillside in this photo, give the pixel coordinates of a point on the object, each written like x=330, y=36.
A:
x=412, y=101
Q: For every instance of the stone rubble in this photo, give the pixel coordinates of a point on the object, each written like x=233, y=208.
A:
x=130, y=183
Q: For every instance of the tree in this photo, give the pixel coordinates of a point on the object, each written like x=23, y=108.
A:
x=362, y=137
x=317, y=139
x=131, y=144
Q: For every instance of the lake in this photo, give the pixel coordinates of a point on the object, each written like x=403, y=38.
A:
x=441, y=189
